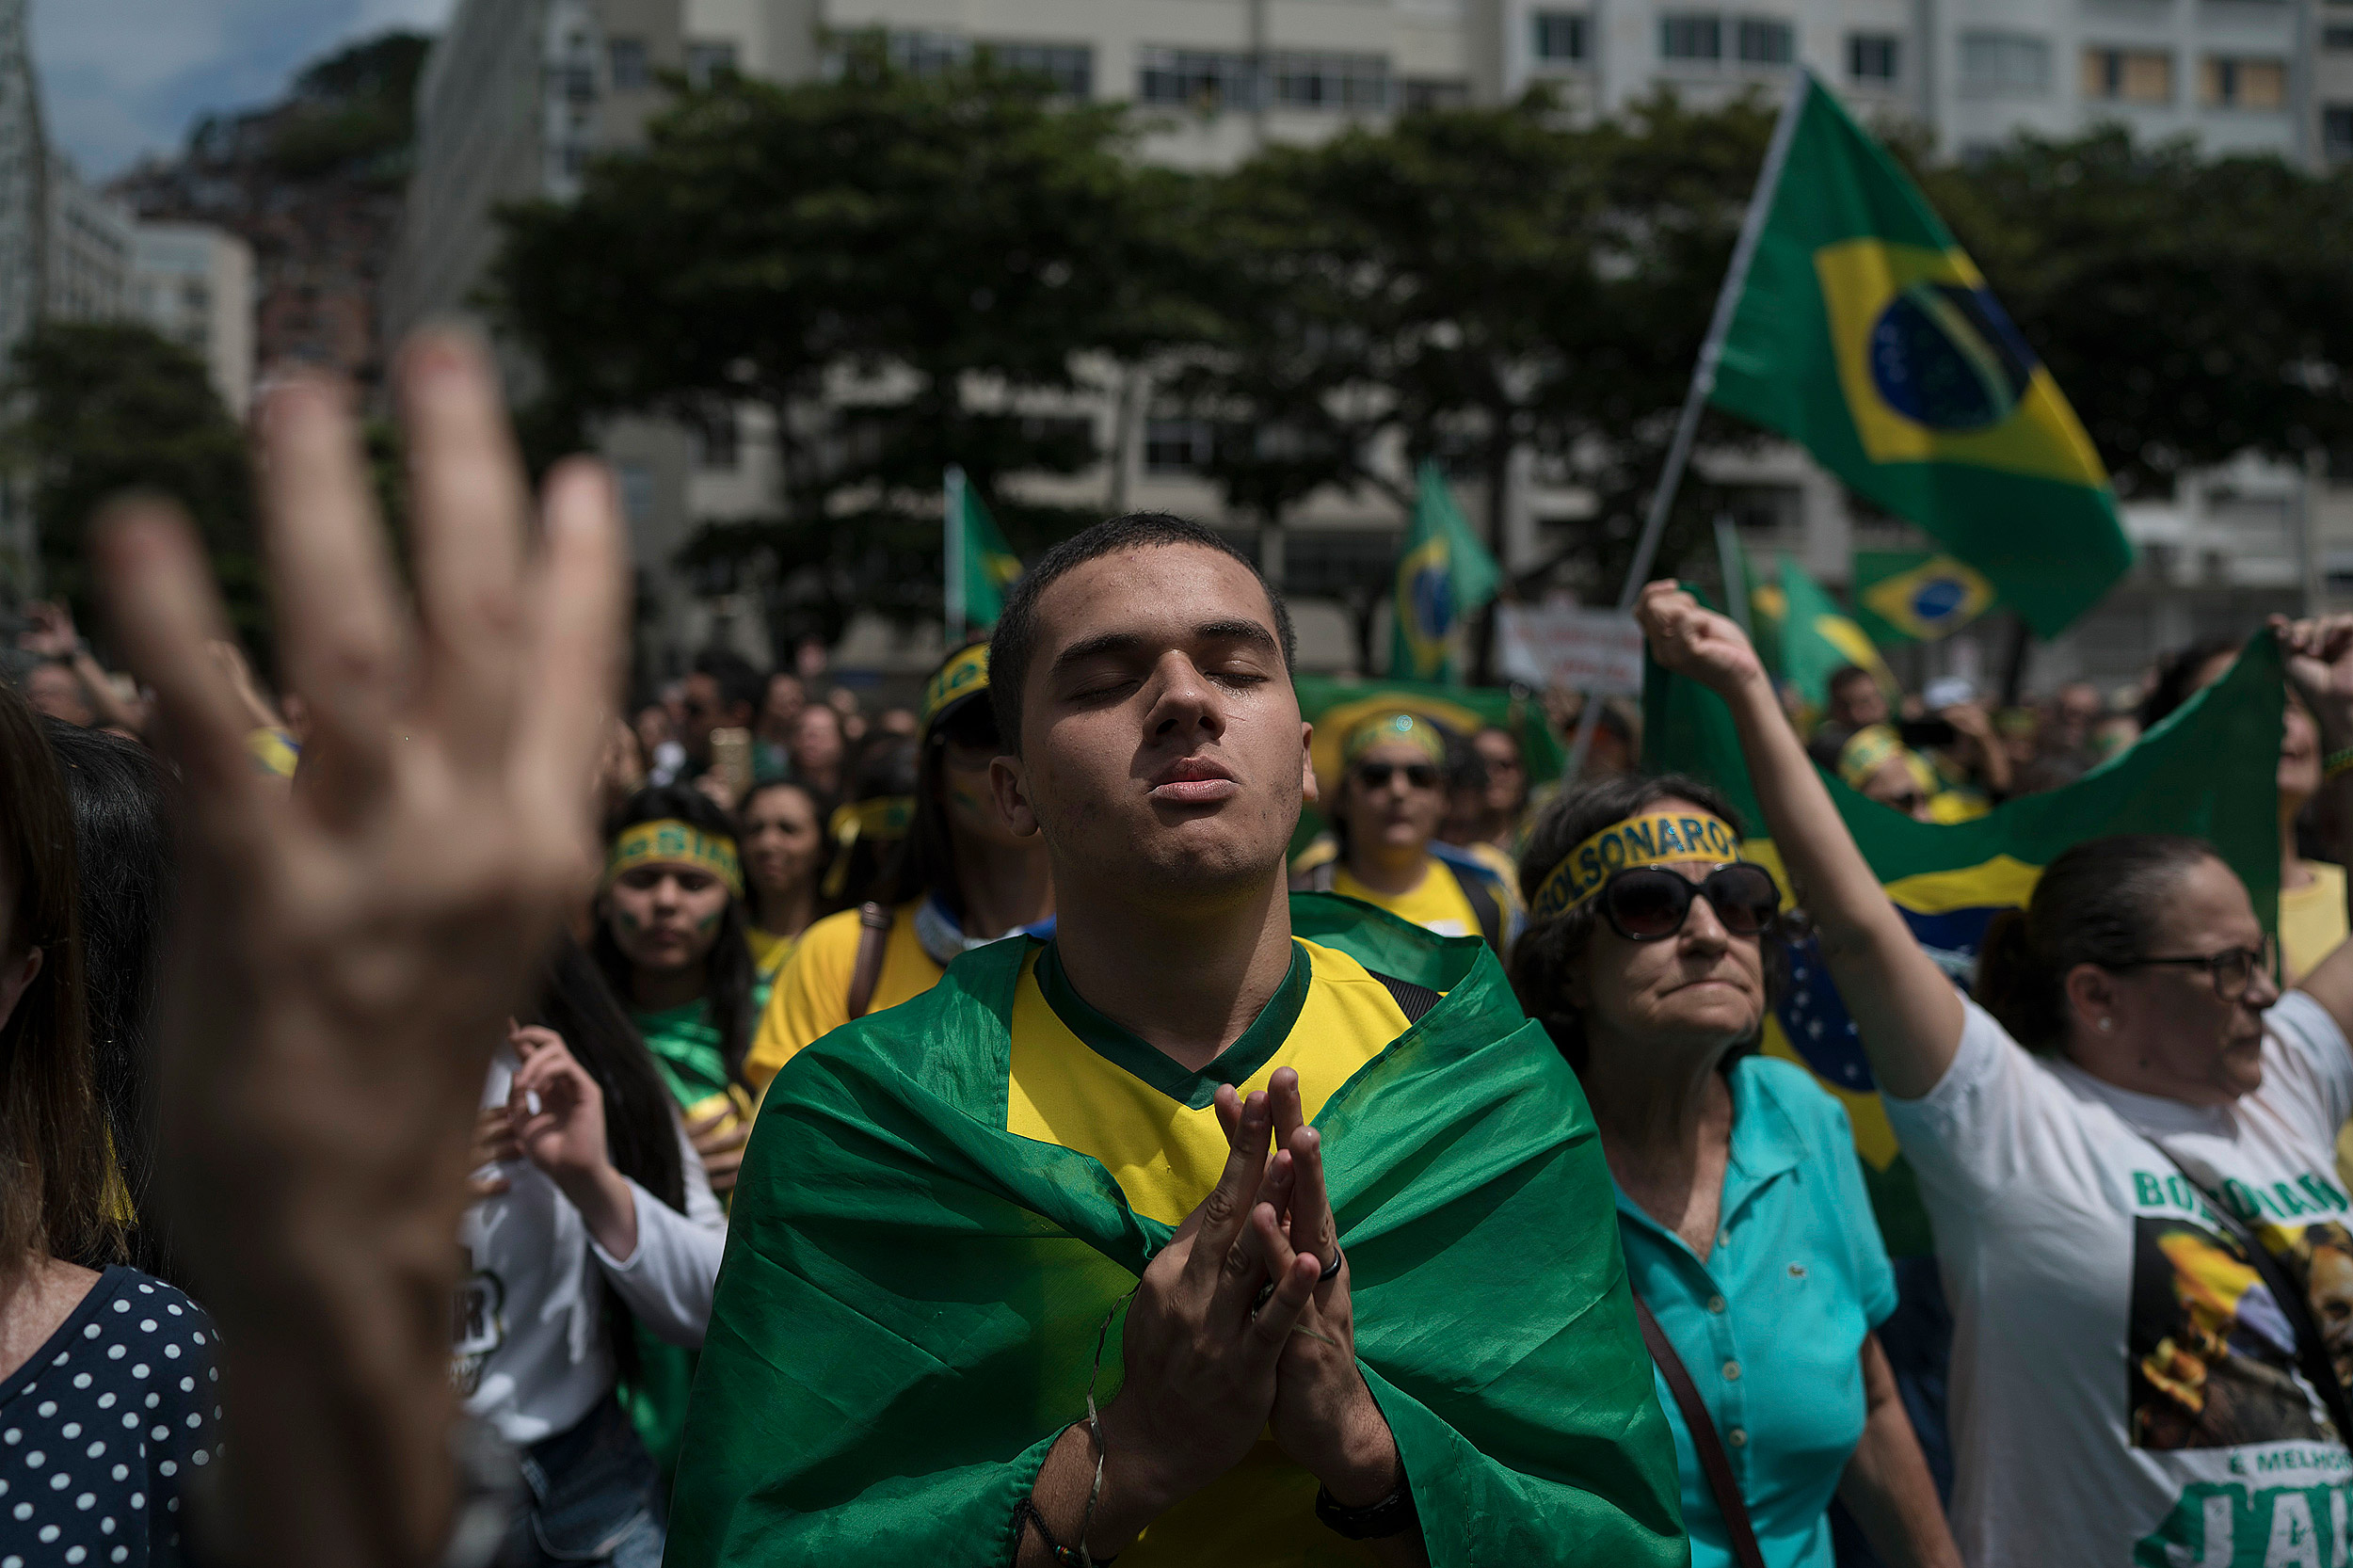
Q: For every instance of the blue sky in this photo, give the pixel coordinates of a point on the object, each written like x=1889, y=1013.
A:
x=122, y=78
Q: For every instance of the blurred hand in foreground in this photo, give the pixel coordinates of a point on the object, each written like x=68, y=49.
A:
x=346, y=954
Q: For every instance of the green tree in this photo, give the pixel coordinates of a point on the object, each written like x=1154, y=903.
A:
x=1470, y=283
x=906, y=270
x=108, y=407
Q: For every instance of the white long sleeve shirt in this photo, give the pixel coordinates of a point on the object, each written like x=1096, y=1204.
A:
x=530, y=1353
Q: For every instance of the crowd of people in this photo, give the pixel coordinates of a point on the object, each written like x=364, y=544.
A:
x=451, y=1123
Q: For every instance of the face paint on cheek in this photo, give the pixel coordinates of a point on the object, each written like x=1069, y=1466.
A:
x=626, y=921
x=964, y=798
x=710, y=923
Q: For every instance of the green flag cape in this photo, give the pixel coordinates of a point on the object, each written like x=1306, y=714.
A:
x=983, y=560
x=909, y=1311
x=1442, y=574
x=1903, y=596
x=2210, y=770
x=1818, y=639
x=1865, y=334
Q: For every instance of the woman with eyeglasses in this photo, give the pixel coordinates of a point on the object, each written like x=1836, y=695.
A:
x=2125, y=1147
x=1650, y=954
x=1385, y=813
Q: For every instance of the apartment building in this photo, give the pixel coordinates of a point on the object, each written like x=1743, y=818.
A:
x=521, y=92
x=194, y=283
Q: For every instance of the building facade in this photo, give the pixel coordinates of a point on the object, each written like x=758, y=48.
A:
x=194, y=283
x=87, y=264
x=521, y=92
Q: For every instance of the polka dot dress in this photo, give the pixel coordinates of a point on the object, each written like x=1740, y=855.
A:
x=102, y=1425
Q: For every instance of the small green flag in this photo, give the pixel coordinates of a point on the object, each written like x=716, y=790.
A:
x=1865, y=334
x=1819, y=639
x=2208, y=771
x=1917, y=596
x=1442, y=574
x=981, y=564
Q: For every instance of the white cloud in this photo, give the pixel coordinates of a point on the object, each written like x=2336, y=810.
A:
x=121, y=78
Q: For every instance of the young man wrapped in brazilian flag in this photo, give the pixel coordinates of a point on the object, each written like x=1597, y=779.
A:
x=1227, y=1228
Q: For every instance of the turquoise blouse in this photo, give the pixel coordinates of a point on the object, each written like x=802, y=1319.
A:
x=1771, y=1325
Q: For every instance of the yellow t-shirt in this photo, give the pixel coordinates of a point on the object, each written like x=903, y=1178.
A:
x=1436, y=901
x=769, y=950
x=811, y=996
x=1081, y=1083
x=2312, y=919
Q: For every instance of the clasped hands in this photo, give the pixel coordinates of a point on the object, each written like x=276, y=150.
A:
x=1210, y=1366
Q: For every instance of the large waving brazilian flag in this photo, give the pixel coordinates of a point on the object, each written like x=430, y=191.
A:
x=2209, y=771
x=908, y=1310
x=1864, y=334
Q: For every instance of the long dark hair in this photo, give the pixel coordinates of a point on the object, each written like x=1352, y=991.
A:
x=1548, y=950
x=821, y=806
x=54, y=1167
x=2097, y=903
x=926, y=861
x=640, y=1120
x=728, y=975
x=122, y=844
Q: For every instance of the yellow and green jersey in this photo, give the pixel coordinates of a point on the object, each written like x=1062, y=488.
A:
x=1437, y=903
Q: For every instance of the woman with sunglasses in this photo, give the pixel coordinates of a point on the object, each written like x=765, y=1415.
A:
x=2126, y=1152
x=1385, y=813
x=1650, y=954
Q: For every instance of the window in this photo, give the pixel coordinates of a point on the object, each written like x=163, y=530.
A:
x=1194, y=78
x=2005, y=64
x=1875, y=58
x=718, y=441
x=2128, y=75
x=578, y=83
x=2227, y=82
x=2336, y=37
x=1766, y=41
x=1069, y=66
x=1560, y=35
x=1691, y=36
x=708, y=62
x=2336, y=132
x=1358, y=81
x=637, y=488
x=922, y=54
x=1416, y=94
x=633, y=68
x=1177, y=445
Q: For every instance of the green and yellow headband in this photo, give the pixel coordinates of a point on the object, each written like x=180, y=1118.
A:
x=965, y=675
x=883, y=819
x=1867, y=751
x=671, y=843
x=1395, y=725
x=1661, y=838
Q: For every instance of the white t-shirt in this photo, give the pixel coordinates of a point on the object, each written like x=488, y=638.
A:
x=2124, y=1388
x=530, y=1354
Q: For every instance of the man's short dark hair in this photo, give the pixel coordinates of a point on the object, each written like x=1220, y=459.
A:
x=734, y=675
x=1016, y=638
x=1845, y=676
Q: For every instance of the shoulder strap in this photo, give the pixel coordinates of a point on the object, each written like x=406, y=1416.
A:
x=1412, y=1000
x=1483, y=901
x=2311, y=1350
x=873, y=936
x=1714, y=1461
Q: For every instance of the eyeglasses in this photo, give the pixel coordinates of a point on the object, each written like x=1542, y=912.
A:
x=1376, y=775
x=2232, y=969
x=1649, y=904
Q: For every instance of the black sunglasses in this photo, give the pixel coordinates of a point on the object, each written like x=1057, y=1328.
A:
x=1649, y=904
x=1421, y=775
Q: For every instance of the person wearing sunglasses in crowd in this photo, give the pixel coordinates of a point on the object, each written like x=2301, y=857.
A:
x=960, y=879
x=1651, y=954
x=2125, y=1147
x=1385, y=813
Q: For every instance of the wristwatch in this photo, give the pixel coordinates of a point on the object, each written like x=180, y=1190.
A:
x=1392, y=1515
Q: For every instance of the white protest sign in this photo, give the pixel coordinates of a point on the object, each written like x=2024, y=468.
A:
x=1564, y=645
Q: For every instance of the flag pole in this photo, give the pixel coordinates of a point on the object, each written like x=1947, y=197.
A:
x=951, y=520
x=1736, y=573
x=1703, y=378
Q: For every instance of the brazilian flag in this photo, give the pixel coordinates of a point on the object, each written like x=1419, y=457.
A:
x=1863, y=332
x=1917, y=596
x=1818, y=639
x=1442, y=574
x=2208, y=771
x=910, y=1308
x=981, y=564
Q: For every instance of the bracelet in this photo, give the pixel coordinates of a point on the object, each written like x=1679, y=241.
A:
x=1026, y=1517
x=1392, y=1515
x=2336, y=763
